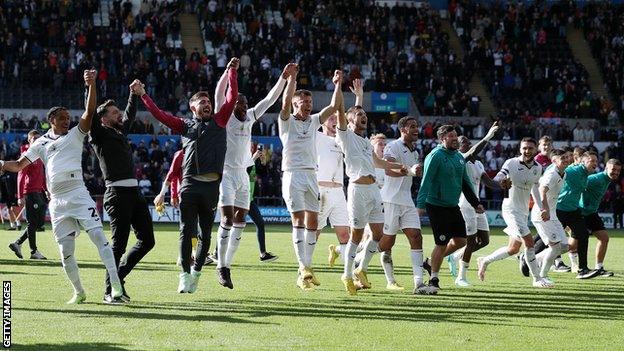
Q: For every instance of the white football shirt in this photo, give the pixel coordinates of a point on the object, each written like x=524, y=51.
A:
x=62, y=157
x=380, y=177
x=238, y=153
x=329, y=159
x=299, y=142
x=358, y=153
x=475, y=170
x=523, y=178
x=398, y=190
x=554, y=181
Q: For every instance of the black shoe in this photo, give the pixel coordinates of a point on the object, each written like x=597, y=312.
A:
x=604, y=273
x=524, y=267
x=229, y=278
x=19, y=227
x=222, y=276
x=208, y=261
x=12, y=228
x=110, y=300
x=17, y=249
x=587, y=274
x=434, y=286
x=561, y=267
x=427, y=266
x=124, y=295
x=41, y=229
x=268, y=257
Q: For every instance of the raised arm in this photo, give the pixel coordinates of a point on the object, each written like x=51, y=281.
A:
x=131, y=110
x=337, y=98
x=273, y=94
x=220, y=90
x=85, y=121
x=223, y=116
x=358, y=90
x=478, y=147
x=287, y=97
x=174, y=123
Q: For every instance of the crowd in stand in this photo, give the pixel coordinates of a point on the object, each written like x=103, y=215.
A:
x=603, y=24
x=396, y=49
x=524, y=59
x=402, y=48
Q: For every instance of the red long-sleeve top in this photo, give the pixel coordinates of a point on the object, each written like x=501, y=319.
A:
x=176, y=124
x=174, y=176
x=31, y=179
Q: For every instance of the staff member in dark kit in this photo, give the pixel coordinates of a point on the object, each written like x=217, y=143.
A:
x=31, y=192
x=204, y=140
x=123, y=201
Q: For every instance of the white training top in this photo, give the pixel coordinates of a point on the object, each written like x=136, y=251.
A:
x=238, y=154
x=358, y=153
x=523, y=179
x=398, y=190
x=62, y=157
x=475, y=170
x=299, y=142
x=380, y=177
x=554, y=181
x=329, y=159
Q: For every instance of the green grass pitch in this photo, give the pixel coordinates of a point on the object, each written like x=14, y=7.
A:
x=266, y=311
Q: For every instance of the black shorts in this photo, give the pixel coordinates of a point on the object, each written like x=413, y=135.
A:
x=594, y=223
x=446, y=223
x=575, y=221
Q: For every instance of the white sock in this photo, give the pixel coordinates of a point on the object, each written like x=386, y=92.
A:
x=370, y=248
x=417, y=266
x=106, y=253
x=67, y=247
x=341, y=251
x=551, y=253
x=459, y=254
x=499, y=254
x=298, y=239
x=529, y=258
x=574, y=259
x=235, y=236
x=223, y=238
x=349, y=254
x=388, y=267
x=310, y=244
x=12, y=224
x=434, y=275
x=599, y=265
x=463, y=268
x=17, y=223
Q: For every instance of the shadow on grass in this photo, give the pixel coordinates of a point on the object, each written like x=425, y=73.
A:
x=86, y=264
x=123, y=312
x=478, y=307
x=78, y=346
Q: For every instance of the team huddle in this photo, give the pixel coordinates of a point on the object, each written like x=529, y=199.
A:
x=213, y=172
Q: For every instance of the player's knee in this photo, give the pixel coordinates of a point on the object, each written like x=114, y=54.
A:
x=98, y=238
x=147, y=243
